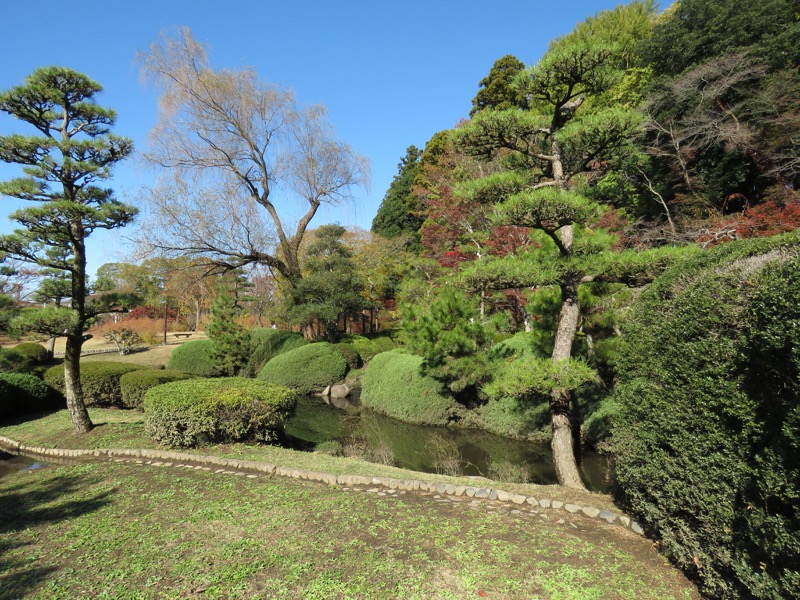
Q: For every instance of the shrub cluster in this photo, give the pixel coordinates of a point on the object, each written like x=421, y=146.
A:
x=134, y=385
x=35, y=352
x=99, y=380
x=395, y=386
x=21, y=393
x=706, y=441
x=350, y=355
x=308, y=369
x=266, y=343
x=229, y=409
x=369, y=347
x=11, y=360
x=193, y=357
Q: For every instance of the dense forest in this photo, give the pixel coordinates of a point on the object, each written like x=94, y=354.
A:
x=602, y=255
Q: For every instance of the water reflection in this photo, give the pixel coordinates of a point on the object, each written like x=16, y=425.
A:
x=428, y=449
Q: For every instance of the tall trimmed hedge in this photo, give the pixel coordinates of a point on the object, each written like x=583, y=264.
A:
x=21, y=393
x=193, y=357
x=307, y=369
x=134, y=385
x=266, y=343
x=706, y=441
x=395, y=386
x=99, y=380
x=229, y=409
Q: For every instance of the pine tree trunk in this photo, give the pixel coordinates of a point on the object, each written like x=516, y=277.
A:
x=72, y=385
x=562, y=444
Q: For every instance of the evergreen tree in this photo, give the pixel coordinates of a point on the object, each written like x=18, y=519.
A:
x=231, y=348
x=497, y=89
x=400, y=213
x=63, y=167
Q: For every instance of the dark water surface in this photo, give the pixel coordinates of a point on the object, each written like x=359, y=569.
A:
x=429, y=449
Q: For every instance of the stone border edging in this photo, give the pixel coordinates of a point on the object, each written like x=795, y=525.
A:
x=329, y=478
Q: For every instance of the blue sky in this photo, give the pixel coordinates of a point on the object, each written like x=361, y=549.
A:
x=390, y=73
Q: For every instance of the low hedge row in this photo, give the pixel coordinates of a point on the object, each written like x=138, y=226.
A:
x=395, y=386
x=99, y=380
x=21, y=393
x=134, y=385
x=308, y=369
x=204, y=411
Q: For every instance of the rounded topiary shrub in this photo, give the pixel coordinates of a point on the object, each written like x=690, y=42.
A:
x=266, y=344
x=193, y=357
x=21, y=393
x=229, y=409
x=99, y=380
x=11, y=360
x=706, y=434
x=35, y=352
x=350, y=355
x=395, y=386
x=134, y=385
x=307, y=369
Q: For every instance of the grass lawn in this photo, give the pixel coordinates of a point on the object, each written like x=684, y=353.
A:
x=108, y=530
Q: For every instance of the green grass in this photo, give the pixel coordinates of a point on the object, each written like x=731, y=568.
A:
x=124, y=531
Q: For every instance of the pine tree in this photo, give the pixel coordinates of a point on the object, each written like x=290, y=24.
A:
x=231, y=347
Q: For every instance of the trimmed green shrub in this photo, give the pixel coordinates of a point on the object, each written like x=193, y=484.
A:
x=395, y=386
x=35, y=352
x=193, y=357
x=706, y=440
x=229, y=409
x=307, y=369
x=266, y=343
x=350, y=355
x=99, y=380
x=368, y=347
x=514, y=418
x=21, y=393
x=134, y=385
x=11, y=360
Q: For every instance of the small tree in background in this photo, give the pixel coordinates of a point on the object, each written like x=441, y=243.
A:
x=231, y=346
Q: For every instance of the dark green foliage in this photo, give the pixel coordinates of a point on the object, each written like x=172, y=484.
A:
x=515, y=418
x=266, y=343
x=400, y=212
x=369, y=346
x=331, y=288
x=134, y=385
x=497, y=89
x=350, y=355
x=203, y=411
x=35, y=352
x=308, y=369
x=395, y=386
x=22, y=393
x=231, y=342
x=99, y=380
x=708, y=420
x=11, y=360
x=193, y=357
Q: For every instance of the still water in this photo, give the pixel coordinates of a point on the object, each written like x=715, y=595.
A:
x=428, y=449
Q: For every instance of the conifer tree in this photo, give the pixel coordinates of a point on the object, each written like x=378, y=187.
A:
x=231, y=347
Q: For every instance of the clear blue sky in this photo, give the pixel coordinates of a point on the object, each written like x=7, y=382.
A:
x=391, y=73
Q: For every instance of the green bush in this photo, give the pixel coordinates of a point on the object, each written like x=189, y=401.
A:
x=11, y=360
x=706, y=440
x=35, y=352
x=368, y=347
x=229, y=409
x=266, y=343
x=395, y=386
x=99, y=380
x=193, y=357
x=350, y=355
x=307, y=369
x=514, y=418
x=21, y=393
x=134, y=385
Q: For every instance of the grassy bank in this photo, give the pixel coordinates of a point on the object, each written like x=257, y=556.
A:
x=125, y=531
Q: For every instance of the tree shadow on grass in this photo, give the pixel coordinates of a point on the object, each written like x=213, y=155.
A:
x=45, y=499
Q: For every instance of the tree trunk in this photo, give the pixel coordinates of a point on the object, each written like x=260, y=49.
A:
x=560, y=413
x=72, y=385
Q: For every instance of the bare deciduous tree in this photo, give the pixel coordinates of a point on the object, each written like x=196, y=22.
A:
x=237, y=148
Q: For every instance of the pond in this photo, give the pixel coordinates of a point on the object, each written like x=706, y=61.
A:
x=364, y=434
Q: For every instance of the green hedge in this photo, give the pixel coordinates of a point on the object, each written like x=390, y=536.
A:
x=35, y=352
x=99, y=380
x=134, y=385
x=395, y=386
x=21, y=393
x=514, y=418
x=229, y=409
x=11, y=360
x=193, y=357
x=350, y=355
x=369, y=347
x=308, y=369
x=266, y=343
x=706, y=440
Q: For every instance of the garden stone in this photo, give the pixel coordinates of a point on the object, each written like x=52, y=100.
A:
x=545, y=503
x=590, y=511
x=572, y=508
x=607, y=516
x=340, y=390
